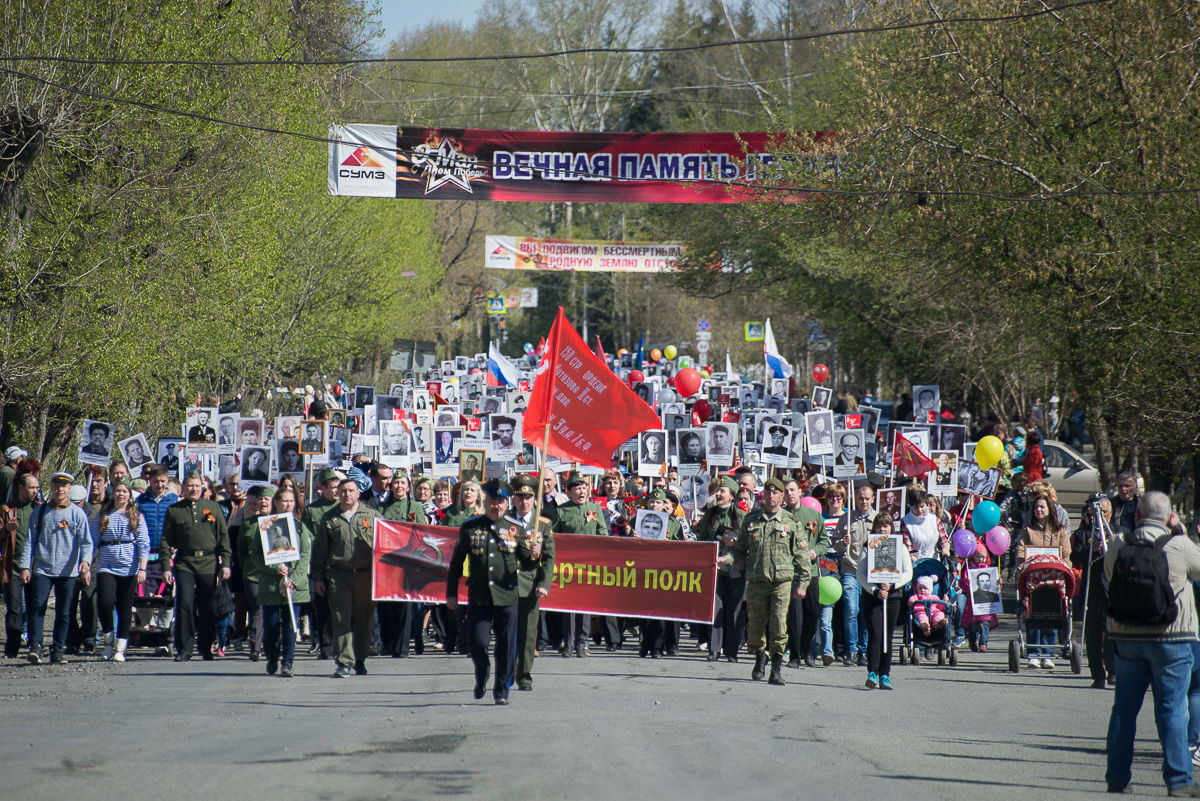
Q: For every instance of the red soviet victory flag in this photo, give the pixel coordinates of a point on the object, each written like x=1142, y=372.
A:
x=909, y=458
x=579, y=410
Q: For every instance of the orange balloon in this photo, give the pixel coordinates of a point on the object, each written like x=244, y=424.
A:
x=655, y=355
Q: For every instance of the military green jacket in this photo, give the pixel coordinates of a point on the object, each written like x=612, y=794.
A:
x=772, y=548
x=494, y=551
x=579, y=518
x=674, y=527
x=315, y=511
x=270, y=586
x=456, y=516
x=196, y=530
x=341, y=544
x=812, y=526
x=713, y=526
x=534, y=573
x=405, y=510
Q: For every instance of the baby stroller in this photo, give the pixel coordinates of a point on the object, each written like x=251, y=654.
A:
x=940, y=639
x=1045, y=585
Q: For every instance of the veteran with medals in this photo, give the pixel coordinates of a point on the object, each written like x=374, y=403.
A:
x=535, y=573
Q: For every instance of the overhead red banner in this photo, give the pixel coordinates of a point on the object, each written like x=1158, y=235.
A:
x=602, y=575
x=589, y=410
x=476, y=164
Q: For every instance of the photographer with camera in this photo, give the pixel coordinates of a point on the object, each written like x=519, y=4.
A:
x=1089, y=543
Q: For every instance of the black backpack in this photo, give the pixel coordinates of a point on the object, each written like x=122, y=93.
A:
x=1139, y=593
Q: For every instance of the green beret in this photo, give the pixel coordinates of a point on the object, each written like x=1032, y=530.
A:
x=775, y=483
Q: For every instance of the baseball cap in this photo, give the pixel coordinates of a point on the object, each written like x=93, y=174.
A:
x=14, y=452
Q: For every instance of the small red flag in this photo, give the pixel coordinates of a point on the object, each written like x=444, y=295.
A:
x=909, y=459
x=600, y=350
x=589, y=411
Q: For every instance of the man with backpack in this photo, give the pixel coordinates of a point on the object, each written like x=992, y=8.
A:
x=1152, y=623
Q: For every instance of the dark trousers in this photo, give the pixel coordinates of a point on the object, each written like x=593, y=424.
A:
x=279, y=638
x=195, y=607
x=254, y=615
x=878, y=660
x=484, y=621
x=576, y=628
x=804, y=615
x=729, y=626
x=1100, y=657
x=116, y=592
x=319, y=626
x=14, y=616
x=39, y=598
x=527, y=636
x=399, y=626
x=81, y=626
x=611, y=630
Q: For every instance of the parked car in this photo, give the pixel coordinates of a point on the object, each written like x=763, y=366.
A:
x=1073, y=477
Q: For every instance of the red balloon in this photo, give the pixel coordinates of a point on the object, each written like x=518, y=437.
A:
x=702, y=409
x=670, y=381
x=820, y=373
x=636, y=376
x=688, y=381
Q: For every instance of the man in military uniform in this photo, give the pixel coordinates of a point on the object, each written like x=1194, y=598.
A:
x=326, y=499
x=194, y=529
x=720, y=524
x=494, y=547
x=400, y=621
x=577, y=516
x=804, y=614
x=777, y=567
x=248, y=541
x=661, y=636
x=535, y=573
x=342, y=558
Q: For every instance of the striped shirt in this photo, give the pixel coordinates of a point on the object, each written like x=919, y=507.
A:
x=118, y=550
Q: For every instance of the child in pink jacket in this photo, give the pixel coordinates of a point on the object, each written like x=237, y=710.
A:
x=935, y=617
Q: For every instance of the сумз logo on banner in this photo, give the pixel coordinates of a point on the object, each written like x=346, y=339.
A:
x=362, y=160
x=501, y=252
x=443, y=163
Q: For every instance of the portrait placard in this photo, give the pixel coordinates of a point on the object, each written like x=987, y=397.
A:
x=279, y=541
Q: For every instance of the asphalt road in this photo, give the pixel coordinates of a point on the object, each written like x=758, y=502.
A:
x=609, y=726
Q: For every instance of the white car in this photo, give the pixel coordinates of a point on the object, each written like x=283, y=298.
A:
x=1074, y=478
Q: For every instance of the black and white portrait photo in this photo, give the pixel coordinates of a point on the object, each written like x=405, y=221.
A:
x=339, y=443
x=749, y=425
x=363, y=397
x=462, y=363
x=446, y=415
x=227, y=432
x=796, y=449
x=312, y=437
x=256, y=465
x=952, y=437
x=651, y=525
x=645, y=391
x=168, y=452
x=695, y=490
x=394, y=443
x=505, y=437
x=819, y=427
x=422, y=440
x=778, y=386
x=420, y=400
x=985, y=591
x=849, y=459
x=943, y=479
x=445, y=451
x=95, y=443
x=690, y=449
x=136, y=452
x=652, y=453
x=721, y=440
x=927, y=403
x=891, y=500
x=489, y=404
x=821, y=397
x=517, y=402
x=447, y=369
x=287, y=456
x=777, y=445
x=775, y=403
x=336, y=417
x=201, y=433
x=973, y=481
x=386, y=407
x=250, y=431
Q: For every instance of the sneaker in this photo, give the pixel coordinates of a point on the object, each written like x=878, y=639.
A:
x=958, y=641
x=35, y=655
x=56, y=656
x=1048, y=663
x=360, y=668
x=1034, y=662
x=108, y=647
x=847, y=661
x=219, y=652
x=1187, y=791
x=286, y=670
x=162, y=650
x=1195, y=749
x=885, y=683
x=343, y=671
x=862, y=660
x=826, y=659
x=272, y=666
x=872, y=681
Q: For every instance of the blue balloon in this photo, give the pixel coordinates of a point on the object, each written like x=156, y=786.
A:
x=985, y=517
x=528, y=348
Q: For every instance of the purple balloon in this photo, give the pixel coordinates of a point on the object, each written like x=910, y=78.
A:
x=997, y=540
x=964, y=543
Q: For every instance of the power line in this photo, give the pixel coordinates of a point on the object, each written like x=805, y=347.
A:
x=806, y=190
x=146, y=62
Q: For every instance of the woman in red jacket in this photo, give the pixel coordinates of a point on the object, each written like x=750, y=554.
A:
x=1032, y=464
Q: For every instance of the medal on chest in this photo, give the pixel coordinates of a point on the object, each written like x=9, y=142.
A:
x=478, y=542
x=507, y=539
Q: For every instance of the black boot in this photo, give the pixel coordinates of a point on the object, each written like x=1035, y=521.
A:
x=776, y=665
x=760, y=664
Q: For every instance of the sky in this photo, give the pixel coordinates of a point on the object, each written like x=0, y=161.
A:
x=399, y=15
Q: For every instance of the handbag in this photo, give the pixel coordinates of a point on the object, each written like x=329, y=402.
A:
x=223, y=599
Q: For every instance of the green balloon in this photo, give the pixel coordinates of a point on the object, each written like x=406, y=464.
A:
x=829, y=590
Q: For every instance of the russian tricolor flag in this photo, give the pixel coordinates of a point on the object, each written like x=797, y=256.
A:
x=501, y=372
x=777, y=366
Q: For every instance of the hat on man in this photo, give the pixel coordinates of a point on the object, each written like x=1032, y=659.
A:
x=123, y=481
x=78, y=493
x=329, y=474
x=656, y=495
x=774, y=483
x=260, y=491
x=14, y=452
x=496, y=489
x=780, y=430
x=574, y=478
x=729, y=484
x=524, y=484
x=140, y=484
x=63, y=476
